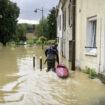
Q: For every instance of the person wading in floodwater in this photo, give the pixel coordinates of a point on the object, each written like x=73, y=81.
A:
x=51, y=56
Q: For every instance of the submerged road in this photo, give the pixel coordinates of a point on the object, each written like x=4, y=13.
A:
x=21, y=84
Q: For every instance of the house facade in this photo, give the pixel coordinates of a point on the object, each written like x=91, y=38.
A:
x=64, y=28
x=60, y=26
x=89, y=33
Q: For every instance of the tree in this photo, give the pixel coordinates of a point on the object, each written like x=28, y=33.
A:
x=38, y=29
x=29, y=27
x=36, y=32
x=10, y=13
x=52, y=23
x=49, y=26
x=20, y=32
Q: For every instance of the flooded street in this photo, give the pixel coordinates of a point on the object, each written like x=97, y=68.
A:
x=21, y=84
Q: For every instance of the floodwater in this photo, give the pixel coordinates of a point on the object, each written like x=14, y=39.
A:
x=21, y=84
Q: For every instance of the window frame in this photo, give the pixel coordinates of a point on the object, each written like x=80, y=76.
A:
x=91, y=31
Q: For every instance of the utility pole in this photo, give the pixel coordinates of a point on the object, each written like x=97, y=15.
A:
x=73, y=34
x=42, y=21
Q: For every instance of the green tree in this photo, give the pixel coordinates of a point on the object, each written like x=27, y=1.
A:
x=10, y=13
x=49, y=26
x=38, y=29
x=36, y=32
x=52, y=23
x=29, y=27
x=20, y=32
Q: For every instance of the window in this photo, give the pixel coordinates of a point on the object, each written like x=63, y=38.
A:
x=70, y=14
x=91, y=36
x=64, y=19
x=60, y=21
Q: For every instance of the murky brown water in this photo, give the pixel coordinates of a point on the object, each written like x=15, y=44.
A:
x=21, y=84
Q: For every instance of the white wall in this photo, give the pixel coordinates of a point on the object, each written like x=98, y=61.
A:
x=84, y=10
x=67, y=34
x=59, y=31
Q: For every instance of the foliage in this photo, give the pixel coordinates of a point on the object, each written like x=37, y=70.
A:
x=21, y=42
x=11, y=43
x=1, y=44
x=91, y=72
x=31, y=41
x=20, y=33
x=30, y=28
x=38, y=42
x=50, y=42
x=52, y=23
x=48, y=25
x=42, y=39
x=38, y=29
x=10, y=13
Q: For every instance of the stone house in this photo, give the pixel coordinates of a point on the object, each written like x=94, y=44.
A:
x=64, y=28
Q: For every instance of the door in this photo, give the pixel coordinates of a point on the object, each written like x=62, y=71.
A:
x=70, y=51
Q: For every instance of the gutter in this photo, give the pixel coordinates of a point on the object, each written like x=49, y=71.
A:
x=99, y=62
x=73, y=33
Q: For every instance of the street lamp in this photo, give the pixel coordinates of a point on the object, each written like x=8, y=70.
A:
x=36, y=10
x=42, y=20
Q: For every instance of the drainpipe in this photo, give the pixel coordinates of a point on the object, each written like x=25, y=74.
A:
x=99, y=62
x=104, y=47
x=62, y=30
x=73, y=34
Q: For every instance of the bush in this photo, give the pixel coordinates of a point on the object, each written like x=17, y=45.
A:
x=42, y=38
x=21, y=42
x=34, y=40
x=11, y=43
x=38, y=41
x=30, y=41
x=1, y=44
x=91, y=72
x=50, y=42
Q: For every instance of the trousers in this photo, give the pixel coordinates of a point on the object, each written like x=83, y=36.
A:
x=51, y=62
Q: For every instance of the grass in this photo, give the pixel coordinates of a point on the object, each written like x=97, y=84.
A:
x=91, y=72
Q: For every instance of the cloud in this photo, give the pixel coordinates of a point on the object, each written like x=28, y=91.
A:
x=27, y=8
x=28, y=21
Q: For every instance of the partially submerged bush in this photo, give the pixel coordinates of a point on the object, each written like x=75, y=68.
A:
x=91, y=72
x=1, y=44
x=50, y=42
x=21, y=42
x=30, y=41
x=41, y=40
x=11, y=43
x=38, y=42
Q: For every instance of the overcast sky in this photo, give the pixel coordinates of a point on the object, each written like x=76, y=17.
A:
x=27, y=8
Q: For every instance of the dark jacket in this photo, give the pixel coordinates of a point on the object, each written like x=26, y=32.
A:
x=52, y=50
